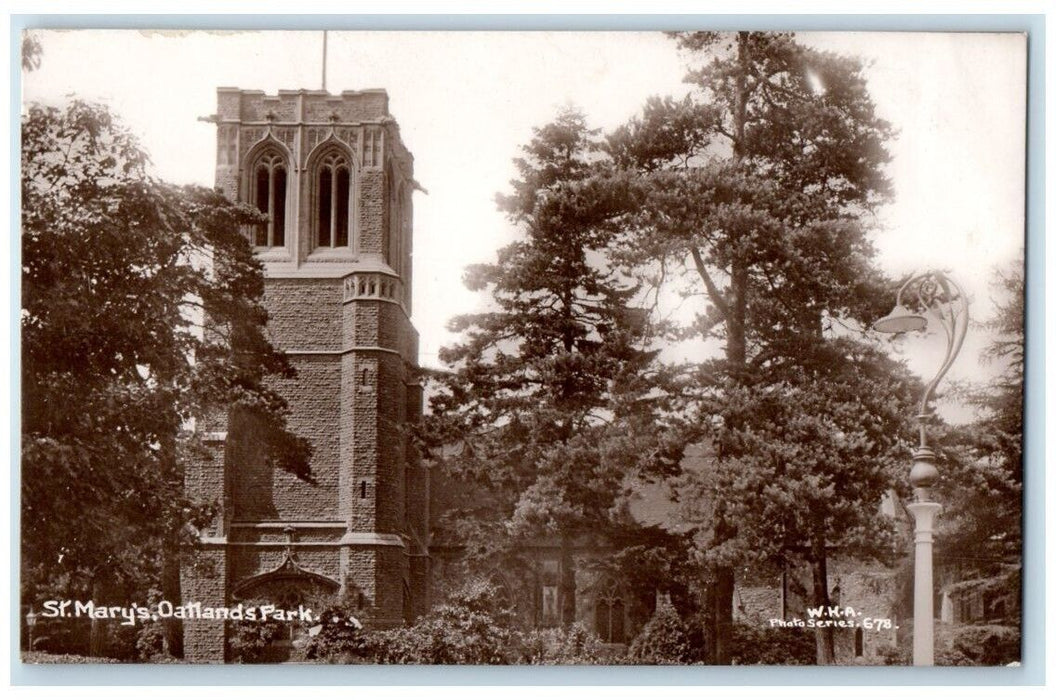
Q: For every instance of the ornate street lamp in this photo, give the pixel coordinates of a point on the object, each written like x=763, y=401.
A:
x=934, y=295
x=31, y=622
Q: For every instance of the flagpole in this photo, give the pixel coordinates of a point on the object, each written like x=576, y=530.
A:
x=324, y=59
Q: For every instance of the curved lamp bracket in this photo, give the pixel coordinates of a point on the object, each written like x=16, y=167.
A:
x=931, y=295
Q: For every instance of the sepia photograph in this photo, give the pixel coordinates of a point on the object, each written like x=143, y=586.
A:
x=592, y=348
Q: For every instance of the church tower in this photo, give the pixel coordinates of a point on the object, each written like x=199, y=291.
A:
x=335, y=180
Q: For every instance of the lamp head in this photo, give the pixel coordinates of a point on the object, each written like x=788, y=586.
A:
x=901, y=320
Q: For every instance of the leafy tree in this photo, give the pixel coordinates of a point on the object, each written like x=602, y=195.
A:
x=31, y=52
x=554, y=398
x=141, y=310
x=755, y=187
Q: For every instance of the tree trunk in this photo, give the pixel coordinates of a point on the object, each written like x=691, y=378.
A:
x=719, y=603
x=720, y=608
x=97, y=632
x=172, y=628
x=824, y=636
x=170, y=590
x=567, y=595
x=720, y=614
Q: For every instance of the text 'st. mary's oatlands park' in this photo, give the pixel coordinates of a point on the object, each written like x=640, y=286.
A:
x=699, y=348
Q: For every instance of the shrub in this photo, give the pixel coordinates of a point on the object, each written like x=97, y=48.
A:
x=772, y=646
x=150, y=642
x=249, y=642
x=63, y=636
x=665, y=639
x=970, y=645
x=470, y=628
x=987, y=645
x=891, y=655
x=574, y=645
x=339, y=638
x=447, y=639
x=117, y=641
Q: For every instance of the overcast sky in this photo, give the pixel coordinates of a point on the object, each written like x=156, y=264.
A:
x=466, y=101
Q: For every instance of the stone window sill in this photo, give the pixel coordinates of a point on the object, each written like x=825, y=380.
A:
x=332, y=255
x=272, y=254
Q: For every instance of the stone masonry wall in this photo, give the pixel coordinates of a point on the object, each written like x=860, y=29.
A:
x=305, y=314
x=869, y=589
x=204, y=579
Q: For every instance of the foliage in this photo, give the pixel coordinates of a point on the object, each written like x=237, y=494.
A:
x=469, y=628
x=565, y=646
x=339, y=638
x=814, y=451
x=150, y=642
x=982, y=481
x=754, y=191
x=553, y=401
x=665, y=639
x=988, y=645
x=970, y=645
x=118, y=641
x=755, y=185
x=892, y=655
x=141, y=310
x=248, y=642
x=31, y=52
x=650, y=559
x=776, y=646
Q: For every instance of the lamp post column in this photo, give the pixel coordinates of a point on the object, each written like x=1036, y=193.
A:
x=935, y=295
x=923, y=592
x=923, y=509
x=31, y=622
x=924, y=513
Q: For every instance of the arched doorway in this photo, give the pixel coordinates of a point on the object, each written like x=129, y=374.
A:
x=289, y=587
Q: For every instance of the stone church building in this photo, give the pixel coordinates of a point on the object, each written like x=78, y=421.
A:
x=336, y=181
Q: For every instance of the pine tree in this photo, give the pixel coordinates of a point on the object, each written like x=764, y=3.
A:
x=756, y=186
x=553, y=398
x=981, y=483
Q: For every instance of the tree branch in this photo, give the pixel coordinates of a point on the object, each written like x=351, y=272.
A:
x=713, y=292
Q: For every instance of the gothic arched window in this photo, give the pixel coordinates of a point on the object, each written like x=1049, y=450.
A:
x=609, y=614
x=268, y=193
x=334, y=201
x=503, y=595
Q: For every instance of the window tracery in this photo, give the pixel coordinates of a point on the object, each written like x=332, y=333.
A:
x=610, y=614
x=334, y=200
x=268, y=186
